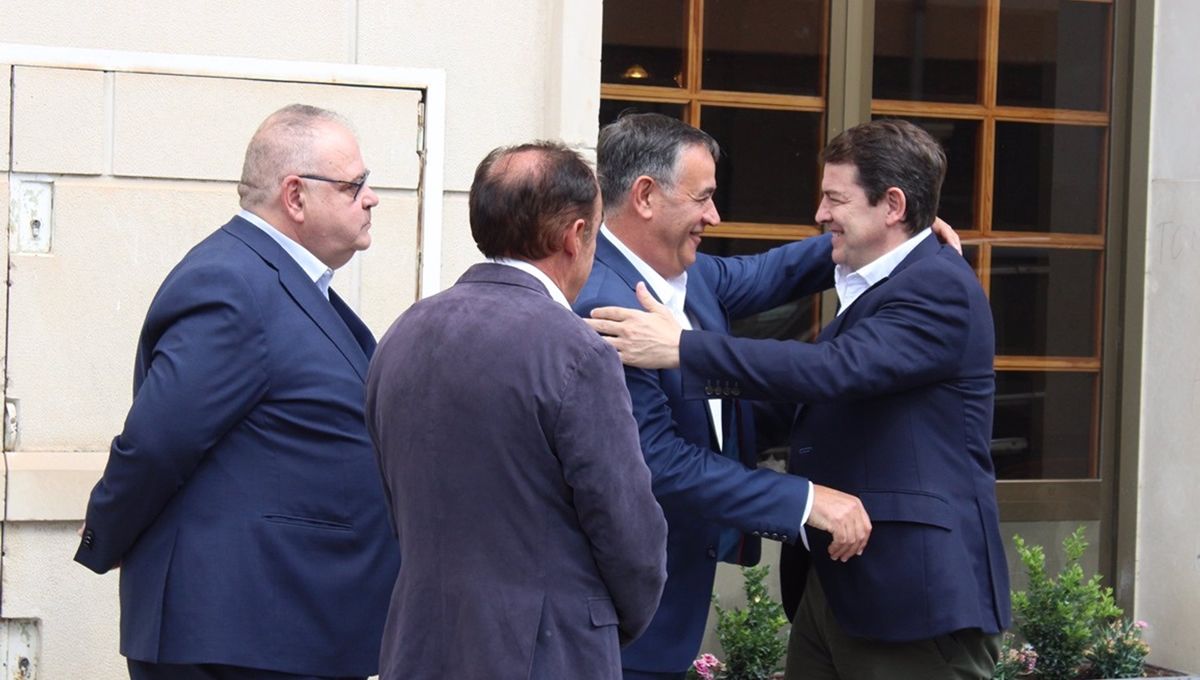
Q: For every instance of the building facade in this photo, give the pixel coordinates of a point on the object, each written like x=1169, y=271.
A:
x=1072, y=166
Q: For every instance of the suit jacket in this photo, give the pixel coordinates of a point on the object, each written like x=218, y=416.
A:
x=898, y=394
x=703, y=492
x=242, y=500
x=533, y=546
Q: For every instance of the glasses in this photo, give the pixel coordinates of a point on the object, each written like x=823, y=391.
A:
x=358, y=184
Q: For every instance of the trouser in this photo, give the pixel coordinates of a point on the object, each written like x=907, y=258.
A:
x=819, y=649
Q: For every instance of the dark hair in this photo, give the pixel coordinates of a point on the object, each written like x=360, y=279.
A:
x=644, y=144
x=894, y=153
x=524, y=196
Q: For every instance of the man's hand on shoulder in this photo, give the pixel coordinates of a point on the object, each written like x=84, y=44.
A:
x=946, y=234
x=843, y=516
x=648, y=339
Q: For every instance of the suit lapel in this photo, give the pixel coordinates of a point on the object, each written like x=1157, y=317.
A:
x=612, y=258
x=700, y=302
x=306, y=294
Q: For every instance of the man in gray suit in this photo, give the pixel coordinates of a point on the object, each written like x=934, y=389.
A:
x=533, y=546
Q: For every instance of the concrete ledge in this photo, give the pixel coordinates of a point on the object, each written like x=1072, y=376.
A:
x=50, y=485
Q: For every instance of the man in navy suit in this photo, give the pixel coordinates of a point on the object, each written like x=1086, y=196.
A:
x=533, y=546
x=657, y=177
x=242, y=501
x=896, y=403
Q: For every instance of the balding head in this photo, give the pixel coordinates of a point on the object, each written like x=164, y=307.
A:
x=283, y=145
x=524, y=197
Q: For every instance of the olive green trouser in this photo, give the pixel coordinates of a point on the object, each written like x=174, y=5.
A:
x=819, y=649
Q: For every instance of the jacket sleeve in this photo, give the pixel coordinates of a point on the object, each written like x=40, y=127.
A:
x=916, y=337
x=750, y=284
x=596, y=440
x=700, y=481
x=201, y=366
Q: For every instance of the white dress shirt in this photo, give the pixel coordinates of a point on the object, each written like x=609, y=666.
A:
x=850, y=284
x=551, y=287
x=314, y=268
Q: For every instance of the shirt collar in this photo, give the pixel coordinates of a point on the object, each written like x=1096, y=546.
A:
x=313, y=267
x=672, y=292
x=884, y=265
x=529, y=268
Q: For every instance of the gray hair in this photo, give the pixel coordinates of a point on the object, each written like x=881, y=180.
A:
x=644, y=144
x=282, y=145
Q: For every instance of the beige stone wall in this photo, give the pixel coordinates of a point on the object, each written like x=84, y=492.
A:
x=143, y=165
x=1168, y=545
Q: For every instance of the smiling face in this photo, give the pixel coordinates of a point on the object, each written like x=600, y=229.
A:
x=682, y=213
x=336, y=222
x=861, y=231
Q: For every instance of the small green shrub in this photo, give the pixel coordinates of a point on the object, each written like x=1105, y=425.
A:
x=1061, y=617
x=1118, y=651
x=751, y=636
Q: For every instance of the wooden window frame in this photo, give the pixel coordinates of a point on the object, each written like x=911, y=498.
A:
x=1111, y=496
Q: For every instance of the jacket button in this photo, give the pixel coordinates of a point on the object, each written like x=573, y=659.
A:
x=708, y=391
x=737, y=391
x=712, y=553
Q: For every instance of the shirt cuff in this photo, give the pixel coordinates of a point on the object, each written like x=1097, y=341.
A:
x=804, y=519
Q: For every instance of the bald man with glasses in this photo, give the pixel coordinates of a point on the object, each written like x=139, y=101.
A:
x=242, y=501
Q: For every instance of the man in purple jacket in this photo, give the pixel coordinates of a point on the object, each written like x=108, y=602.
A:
x=533, y=546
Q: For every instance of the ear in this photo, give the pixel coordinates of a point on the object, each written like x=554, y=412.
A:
x=574, y=237
x=897, y=206
x=639, y=196
x=292, y=197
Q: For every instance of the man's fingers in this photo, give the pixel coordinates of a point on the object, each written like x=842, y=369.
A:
x=614, y=313
x=645, y=297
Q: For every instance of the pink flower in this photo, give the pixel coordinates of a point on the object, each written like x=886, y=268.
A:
x=1141, y=624
x=706, y=665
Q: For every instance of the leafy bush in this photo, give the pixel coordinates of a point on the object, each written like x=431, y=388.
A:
x=1118, y=651
x=1072, y=628
x=751, y=637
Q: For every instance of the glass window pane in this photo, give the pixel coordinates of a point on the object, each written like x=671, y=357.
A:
x=1045, y=301
x=1043, y=425
x=799, y=319
x=928, y=50
x=764, y=45
x=610, y=109
x=960, y=139
x=644, y=43
x=1054, y=54
x=1049, y=178
x=971, y=255
x=769, y=170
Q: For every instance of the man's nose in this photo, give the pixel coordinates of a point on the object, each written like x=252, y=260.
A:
x=370, y=199
x=712, y=217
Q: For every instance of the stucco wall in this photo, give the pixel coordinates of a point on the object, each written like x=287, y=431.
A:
x=1168, y=545
x=513, y=72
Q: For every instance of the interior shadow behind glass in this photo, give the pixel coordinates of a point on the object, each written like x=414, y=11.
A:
x=795, y=320
x=768, y=169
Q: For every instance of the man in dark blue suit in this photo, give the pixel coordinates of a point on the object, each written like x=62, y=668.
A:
x=657, y=178
x=533, y=547
x=895, y=407
x=242, y=501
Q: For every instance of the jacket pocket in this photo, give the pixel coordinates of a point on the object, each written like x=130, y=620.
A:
x=602, y=611
x=309, y=522
x=915, y=507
